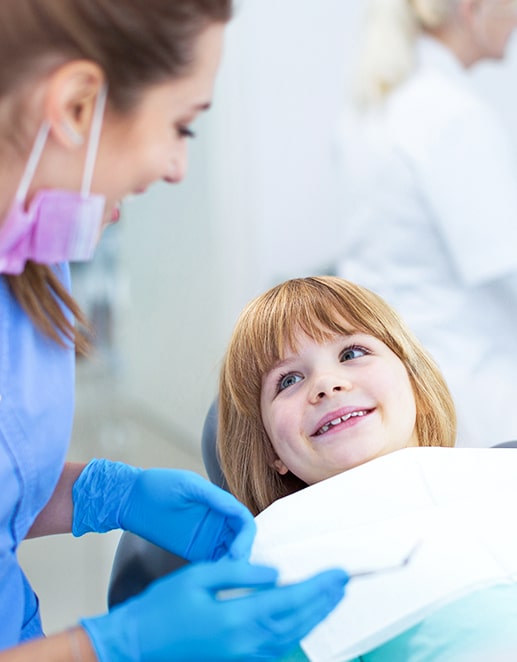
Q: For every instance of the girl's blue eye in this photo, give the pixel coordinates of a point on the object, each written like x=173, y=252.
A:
x=351, y=353
x=288, y=380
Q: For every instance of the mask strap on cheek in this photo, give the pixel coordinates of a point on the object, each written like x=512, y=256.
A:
x=32, y=163
x=93, y=141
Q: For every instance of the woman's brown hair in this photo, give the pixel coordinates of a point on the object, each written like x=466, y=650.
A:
x=137, y=43
x=319, y=307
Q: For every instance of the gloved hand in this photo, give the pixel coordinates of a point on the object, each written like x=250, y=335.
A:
x=180, y=617
x=177, y=510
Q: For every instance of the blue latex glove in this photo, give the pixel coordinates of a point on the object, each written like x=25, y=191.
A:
x=180, y=617
x=177, y=510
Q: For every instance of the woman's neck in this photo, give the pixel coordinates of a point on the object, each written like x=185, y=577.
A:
x=458, y=40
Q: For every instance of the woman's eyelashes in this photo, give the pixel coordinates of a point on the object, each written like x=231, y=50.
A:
x=185, y=131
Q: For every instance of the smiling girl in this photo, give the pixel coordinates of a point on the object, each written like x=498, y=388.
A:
x=320, y=376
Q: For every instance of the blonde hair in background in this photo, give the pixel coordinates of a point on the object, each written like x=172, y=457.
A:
x=387, y=53
x=320, y=307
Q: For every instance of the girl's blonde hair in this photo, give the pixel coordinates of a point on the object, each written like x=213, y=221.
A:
x=319, y=307
x=387, y=54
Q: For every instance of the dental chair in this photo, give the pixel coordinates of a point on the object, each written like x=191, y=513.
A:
x=138, y=562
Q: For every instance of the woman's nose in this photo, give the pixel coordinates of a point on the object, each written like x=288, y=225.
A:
x=329, y=384
x=177, y=166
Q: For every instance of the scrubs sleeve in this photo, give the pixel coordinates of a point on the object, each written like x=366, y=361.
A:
x=470, y=178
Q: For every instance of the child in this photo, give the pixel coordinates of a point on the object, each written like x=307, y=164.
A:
x=322, y=376
x=270, y=367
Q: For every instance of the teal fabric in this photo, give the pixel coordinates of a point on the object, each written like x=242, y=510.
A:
x=299, y=656
x=481, y=626
x=296, y=656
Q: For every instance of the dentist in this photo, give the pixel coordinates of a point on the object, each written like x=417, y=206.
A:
x=96, y=99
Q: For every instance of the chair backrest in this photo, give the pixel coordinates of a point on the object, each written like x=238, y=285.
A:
x=209, y=448
x=506, y=444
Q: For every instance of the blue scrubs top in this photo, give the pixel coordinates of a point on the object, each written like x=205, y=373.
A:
x=36, y=414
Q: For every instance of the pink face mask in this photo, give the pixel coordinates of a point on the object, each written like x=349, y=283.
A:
x=59, y=225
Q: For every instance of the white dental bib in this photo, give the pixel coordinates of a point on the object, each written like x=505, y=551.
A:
x=459, y=502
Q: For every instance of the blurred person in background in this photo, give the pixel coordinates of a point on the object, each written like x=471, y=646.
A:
x=430, y=197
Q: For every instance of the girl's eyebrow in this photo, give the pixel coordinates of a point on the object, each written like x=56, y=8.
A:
x=284, y=362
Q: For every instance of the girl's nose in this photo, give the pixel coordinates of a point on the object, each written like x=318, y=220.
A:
x=327, y=385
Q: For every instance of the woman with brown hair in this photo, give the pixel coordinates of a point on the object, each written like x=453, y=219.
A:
x=96, y=99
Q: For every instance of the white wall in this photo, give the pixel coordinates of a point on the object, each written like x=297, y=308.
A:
x=258, y=204
x=255, y=207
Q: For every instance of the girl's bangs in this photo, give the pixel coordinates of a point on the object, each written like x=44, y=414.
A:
x=312, y=313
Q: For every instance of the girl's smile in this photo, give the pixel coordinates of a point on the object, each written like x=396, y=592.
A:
x=334, y=422
x=332, y=405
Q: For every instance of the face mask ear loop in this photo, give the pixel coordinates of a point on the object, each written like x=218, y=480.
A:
x=32, y=163
x=93, y=141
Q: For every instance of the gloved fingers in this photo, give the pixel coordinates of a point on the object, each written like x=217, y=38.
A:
x=217, y=535
x=318, y=594
x=226, y=575
x=200, y=490
x=183, y=617
x=297, y=617
x=294, y=624
x=240, y=546
x=219, y=500
x=187, y=515
x=232, y=523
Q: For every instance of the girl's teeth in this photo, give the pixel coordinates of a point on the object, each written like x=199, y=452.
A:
x=341, y=419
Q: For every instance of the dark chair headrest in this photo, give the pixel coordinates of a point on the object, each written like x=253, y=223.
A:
x=209, y=448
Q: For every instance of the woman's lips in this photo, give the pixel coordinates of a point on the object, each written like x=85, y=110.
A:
x=115, y=214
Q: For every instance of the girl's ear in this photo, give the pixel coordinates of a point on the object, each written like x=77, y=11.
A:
x=279, y=466
x=70, y=101
x=273, y=460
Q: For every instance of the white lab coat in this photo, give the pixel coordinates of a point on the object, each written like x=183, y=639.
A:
x=430, y=223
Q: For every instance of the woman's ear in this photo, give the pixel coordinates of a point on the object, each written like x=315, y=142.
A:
x=70, y=101
x=470, y=10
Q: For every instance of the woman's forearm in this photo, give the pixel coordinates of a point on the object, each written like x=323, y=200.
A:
x=56, y=517
x=71, y=646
